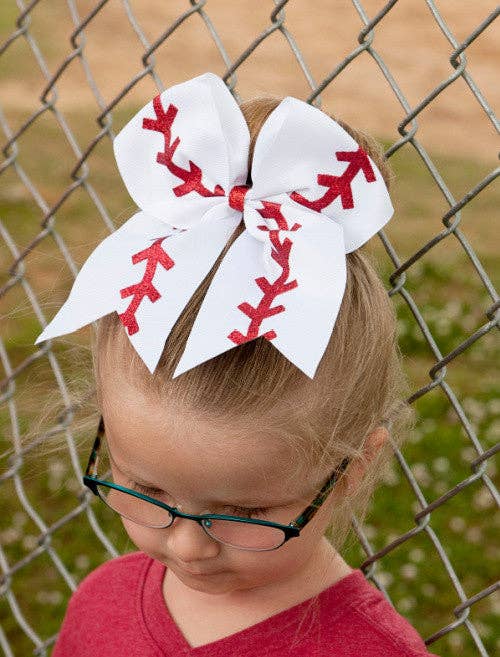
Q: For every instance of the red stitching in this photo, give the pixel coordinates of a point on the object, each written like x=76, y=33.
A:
x=191, y=182
x=154, y=255
x=191, y=176
x=280, y=253
x=340, y=185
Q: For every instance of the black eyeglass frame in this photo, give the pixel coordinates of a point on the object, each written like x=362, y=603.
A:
x=291, y=530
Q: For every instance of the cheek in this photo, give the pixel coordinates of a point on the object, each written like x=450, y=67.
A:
x=143, y=538
x=286, y=560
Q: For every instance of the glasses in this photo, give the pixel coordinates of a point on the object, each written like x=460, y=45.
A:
x=235, y=531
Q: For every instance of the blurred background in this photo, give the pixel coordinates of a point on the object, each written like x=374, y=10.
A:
x=419, y=76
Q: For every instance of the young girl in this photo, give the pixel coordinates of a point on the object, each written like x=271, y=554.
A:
x=237, y=480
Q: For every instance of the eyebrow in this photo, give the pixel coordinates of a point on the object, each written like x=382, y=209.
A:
x=245, y=503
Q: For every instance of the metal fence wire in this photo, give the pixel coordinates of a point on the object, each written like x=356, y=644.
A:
x=438, y=548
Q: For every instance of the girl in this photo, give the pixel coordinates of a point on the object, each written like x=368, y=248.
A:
x=237, y=480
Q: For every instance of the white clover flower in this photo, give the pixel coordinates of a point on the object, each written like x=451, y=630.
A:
x=493, y=406
x=10, y=535
x=474, y=535
x=457, y=524
x=390, y=477
x=455, y=640
x=483, y=629
x=428, y=589
x=416, y=554
x=385, y=578
x=49, y=597
x=453, y=309
x=493, y=431
x=475, y=409
x=19, y=518
x=406, y=604
x=441, y=464
x=482, y=499
x=30, y=542
x=440, y=487
x=428, y=425
x=421, y=473
x=408, y=571
x=369, y=531
x=468, y=454
x=82, y=561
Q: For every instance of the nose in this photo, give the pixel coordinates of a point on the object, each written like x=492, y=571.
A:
x=187, y=540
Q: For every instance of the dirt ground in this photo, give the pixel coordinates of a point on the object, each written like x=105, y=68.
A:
x=408, y=40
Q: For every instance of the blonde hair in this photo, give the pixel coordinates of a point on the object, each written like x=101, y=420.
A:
x=358, y=385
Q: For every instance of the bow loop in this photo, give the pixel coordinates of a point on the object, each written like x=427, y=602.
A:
x=300, y=151
x=183, y=152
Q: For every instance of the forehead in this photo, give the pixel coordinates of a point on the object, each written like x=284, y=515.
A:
x=199, y=458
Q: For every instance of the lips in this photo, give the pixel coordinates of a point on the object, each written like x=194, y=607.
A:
x=197, y=573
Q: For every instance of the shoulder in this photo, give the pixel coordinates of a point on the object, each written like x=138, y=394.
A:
x=126, y=565
x=113, y=580
x=390, y=629
x=104, y=601
x=366, y=623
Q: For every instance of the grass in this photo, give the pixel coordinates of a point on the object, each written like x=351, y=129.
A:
x=453, y=303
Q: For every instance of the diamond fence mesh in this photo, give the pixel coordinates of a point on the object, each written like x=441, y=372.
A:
x=419, y=76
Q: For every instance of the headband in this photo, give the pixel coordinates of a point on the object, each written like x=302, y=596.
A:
x=315, y=196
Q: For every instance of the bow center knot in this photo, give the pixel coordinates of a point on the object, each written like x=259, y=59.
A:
x=237, y=196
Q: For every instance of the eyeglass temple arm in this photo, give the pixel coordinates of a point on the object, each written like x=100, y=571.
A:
x=313, y=508
x=95, y=449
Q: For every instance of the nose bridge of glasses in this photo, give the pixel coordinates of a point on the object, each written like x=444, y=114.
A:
x=179, y=513
x=204, y=523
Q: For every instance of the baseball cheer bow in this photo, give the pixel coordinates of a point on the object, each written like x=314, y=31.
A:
x=315, y=196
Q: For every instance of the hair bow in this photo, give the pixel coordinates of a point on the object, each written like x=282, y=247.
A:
x=315, y=196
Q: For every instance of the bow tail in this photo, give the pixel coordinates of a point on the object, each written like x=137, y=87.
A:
x=94, y=291
x=286, y=287
x=146, y=271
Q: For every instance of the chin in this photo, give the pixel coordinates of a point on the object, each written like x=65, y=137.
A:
x=215, y=584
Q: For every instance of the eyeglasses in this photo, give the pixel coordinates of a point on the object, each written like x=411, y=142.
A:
x=235, y=531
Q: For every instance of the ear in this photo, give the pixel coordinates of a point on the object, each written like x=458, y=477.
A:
x=357, y=468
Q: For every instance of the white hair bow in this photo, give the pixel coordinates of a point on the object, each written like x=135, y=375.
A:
x=316, y=195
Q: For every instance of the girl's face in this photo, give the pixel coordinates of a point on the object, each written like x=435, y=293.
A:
x=202, y=468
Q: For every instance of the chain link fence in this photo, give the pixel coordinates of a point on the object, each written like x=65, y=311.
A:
x=74, y=71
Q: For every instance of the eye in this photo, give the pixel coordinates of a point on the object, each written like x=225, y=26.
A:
x=248, y=512
x=152, y=492
x=241, y=511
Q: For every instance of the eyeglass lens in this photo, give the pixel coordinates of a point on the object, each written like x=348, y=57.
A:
x=236, y=534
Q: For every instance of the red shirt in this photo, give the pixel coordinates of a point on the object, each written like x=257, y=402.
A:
x=118, y=610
